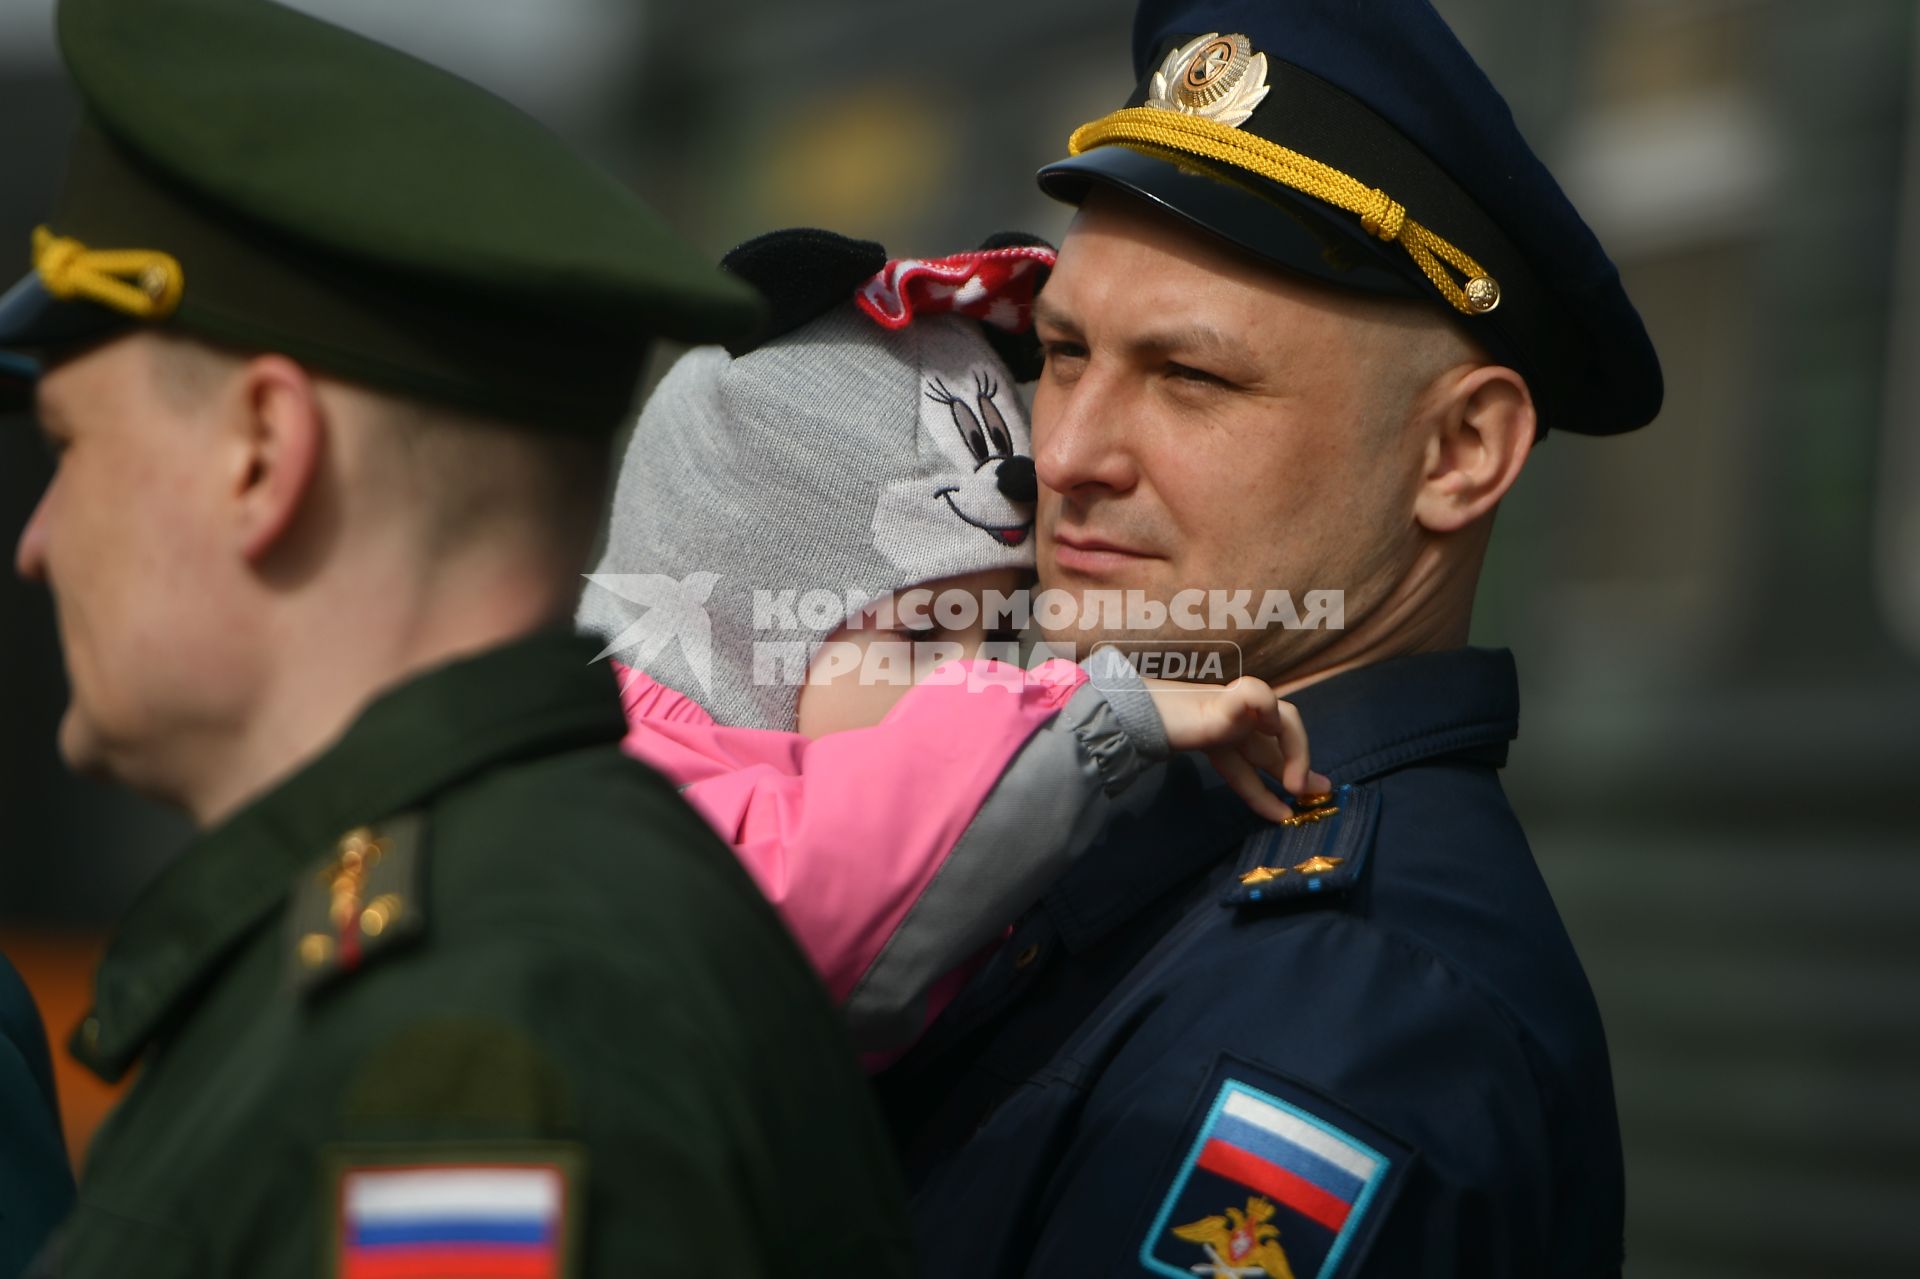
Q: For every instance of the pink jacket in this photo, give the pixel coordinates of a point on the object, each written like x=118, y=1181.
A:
x=896, y=852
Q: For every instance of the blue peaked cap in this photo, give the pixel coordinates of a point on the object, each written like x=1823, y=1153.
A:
x=1381, y=93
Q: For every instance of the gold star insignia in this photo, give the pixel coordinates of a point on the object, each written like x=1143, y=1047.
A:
x=1318, y=865
x=1309, y=816
x=1263, y=874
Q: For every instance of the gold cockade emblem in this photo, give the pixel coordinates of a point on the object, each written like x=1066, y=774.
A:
x=1215, y=77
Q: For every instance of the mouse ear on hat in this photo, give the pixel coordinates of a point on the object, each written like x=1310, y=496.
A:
x=994, y=285
x=804, y=272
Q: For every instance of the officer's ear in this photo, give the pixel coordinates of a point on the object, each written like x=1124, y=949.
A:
x=277, y=441
x=1479, y=422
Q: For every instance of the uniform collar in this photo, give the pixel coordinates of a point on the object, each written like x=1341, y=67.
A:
x=530, y=697
x=1462, y=703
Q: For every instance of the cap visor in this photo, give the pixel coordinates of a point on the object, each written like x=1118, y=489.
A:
x=1265, y=219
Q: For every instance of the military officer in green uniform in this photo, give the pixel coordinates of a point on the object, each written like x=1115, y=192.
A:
x=331, y=346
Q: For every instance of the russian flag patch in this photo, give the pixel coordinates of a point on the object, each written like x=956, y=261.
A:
x=464, y=1220
x=1271, y=1186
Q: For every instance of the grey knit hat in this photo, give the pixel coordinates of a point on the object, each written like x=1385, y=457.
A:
x=767, y=498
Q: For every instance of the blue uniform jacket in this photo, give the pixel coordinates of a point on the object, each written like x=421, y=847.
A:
x=36, y=1188
x=1358, y=1046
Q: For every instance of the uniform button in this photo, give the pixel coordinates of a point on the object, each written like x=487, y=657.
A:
x=1027, y=957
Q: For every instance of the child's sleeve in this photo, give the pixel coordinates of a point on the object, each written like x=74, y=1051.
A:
x=895, y=852
x=1041, y=812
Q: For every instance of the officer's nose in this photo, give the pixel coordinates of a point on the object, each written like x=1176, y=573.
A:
x=1080, y=439
x=30, y=553
x=1016, y=481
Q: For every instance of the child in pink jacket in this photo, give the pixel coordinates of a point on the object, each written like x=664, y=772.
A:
x=809, y=541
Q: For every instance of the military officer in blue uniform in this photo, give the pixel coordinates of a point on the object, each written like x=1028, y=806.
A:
x=1318, y=304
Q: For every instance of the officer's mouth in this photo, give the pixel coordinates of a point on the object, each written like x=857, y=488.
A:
x=1094, y=556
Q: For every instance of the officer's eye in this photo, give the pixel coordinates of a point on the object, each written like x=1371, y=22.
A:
x=1063, y=351
x=1193, y=376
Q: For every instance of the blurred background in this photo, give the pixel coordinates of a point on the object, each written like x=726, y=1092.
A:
x=1717, y=620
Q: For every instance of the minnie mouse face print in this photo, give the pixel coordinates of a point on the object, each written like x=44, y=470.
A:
x=976, y=478
x=997, y=497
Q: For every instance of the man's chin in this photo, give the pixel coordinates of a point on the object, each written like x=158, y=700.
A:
x=80, y=748
x=1067, y=644
x=1098, y=629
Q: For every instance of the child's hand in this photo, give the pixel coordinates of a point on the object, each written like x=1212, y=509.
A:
x=1245, y=731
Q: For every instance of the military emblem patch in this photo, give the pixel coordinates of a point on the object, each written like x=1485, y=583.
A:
x=1271, y=1185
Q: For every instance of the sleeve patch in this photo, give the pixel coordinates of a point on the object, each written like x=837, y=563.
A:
x=427, y=1219
x=1277, y=1182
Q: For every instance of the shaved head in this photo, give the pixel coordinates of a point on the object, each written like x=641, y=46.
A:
x=463, y=478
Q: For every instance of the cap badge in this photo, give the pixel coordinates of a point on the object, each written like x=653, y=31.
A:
x=1215, y=77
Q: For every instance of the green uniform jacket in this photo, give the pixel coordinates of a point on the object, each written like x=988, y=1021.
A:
x=35, y=1187
x=473, y=935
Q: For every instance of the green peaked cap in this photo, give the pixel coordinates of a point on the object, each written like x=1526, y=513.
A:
x=374, y=216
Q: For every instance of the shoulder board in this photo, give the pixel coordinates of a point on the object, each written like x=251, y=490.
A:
x=364, y=899
x=1319, y=853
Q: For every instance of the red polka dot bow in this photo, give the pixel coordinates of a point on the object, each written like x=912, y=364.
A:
x=994, y=286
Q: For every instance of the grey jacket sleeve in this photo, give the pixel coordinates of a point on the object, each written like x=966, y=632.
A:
x=1044, y=812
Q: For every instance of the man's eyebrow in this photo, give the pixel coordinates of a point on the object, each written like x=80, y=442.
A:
x=1200, y=339
x=1053, y=315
